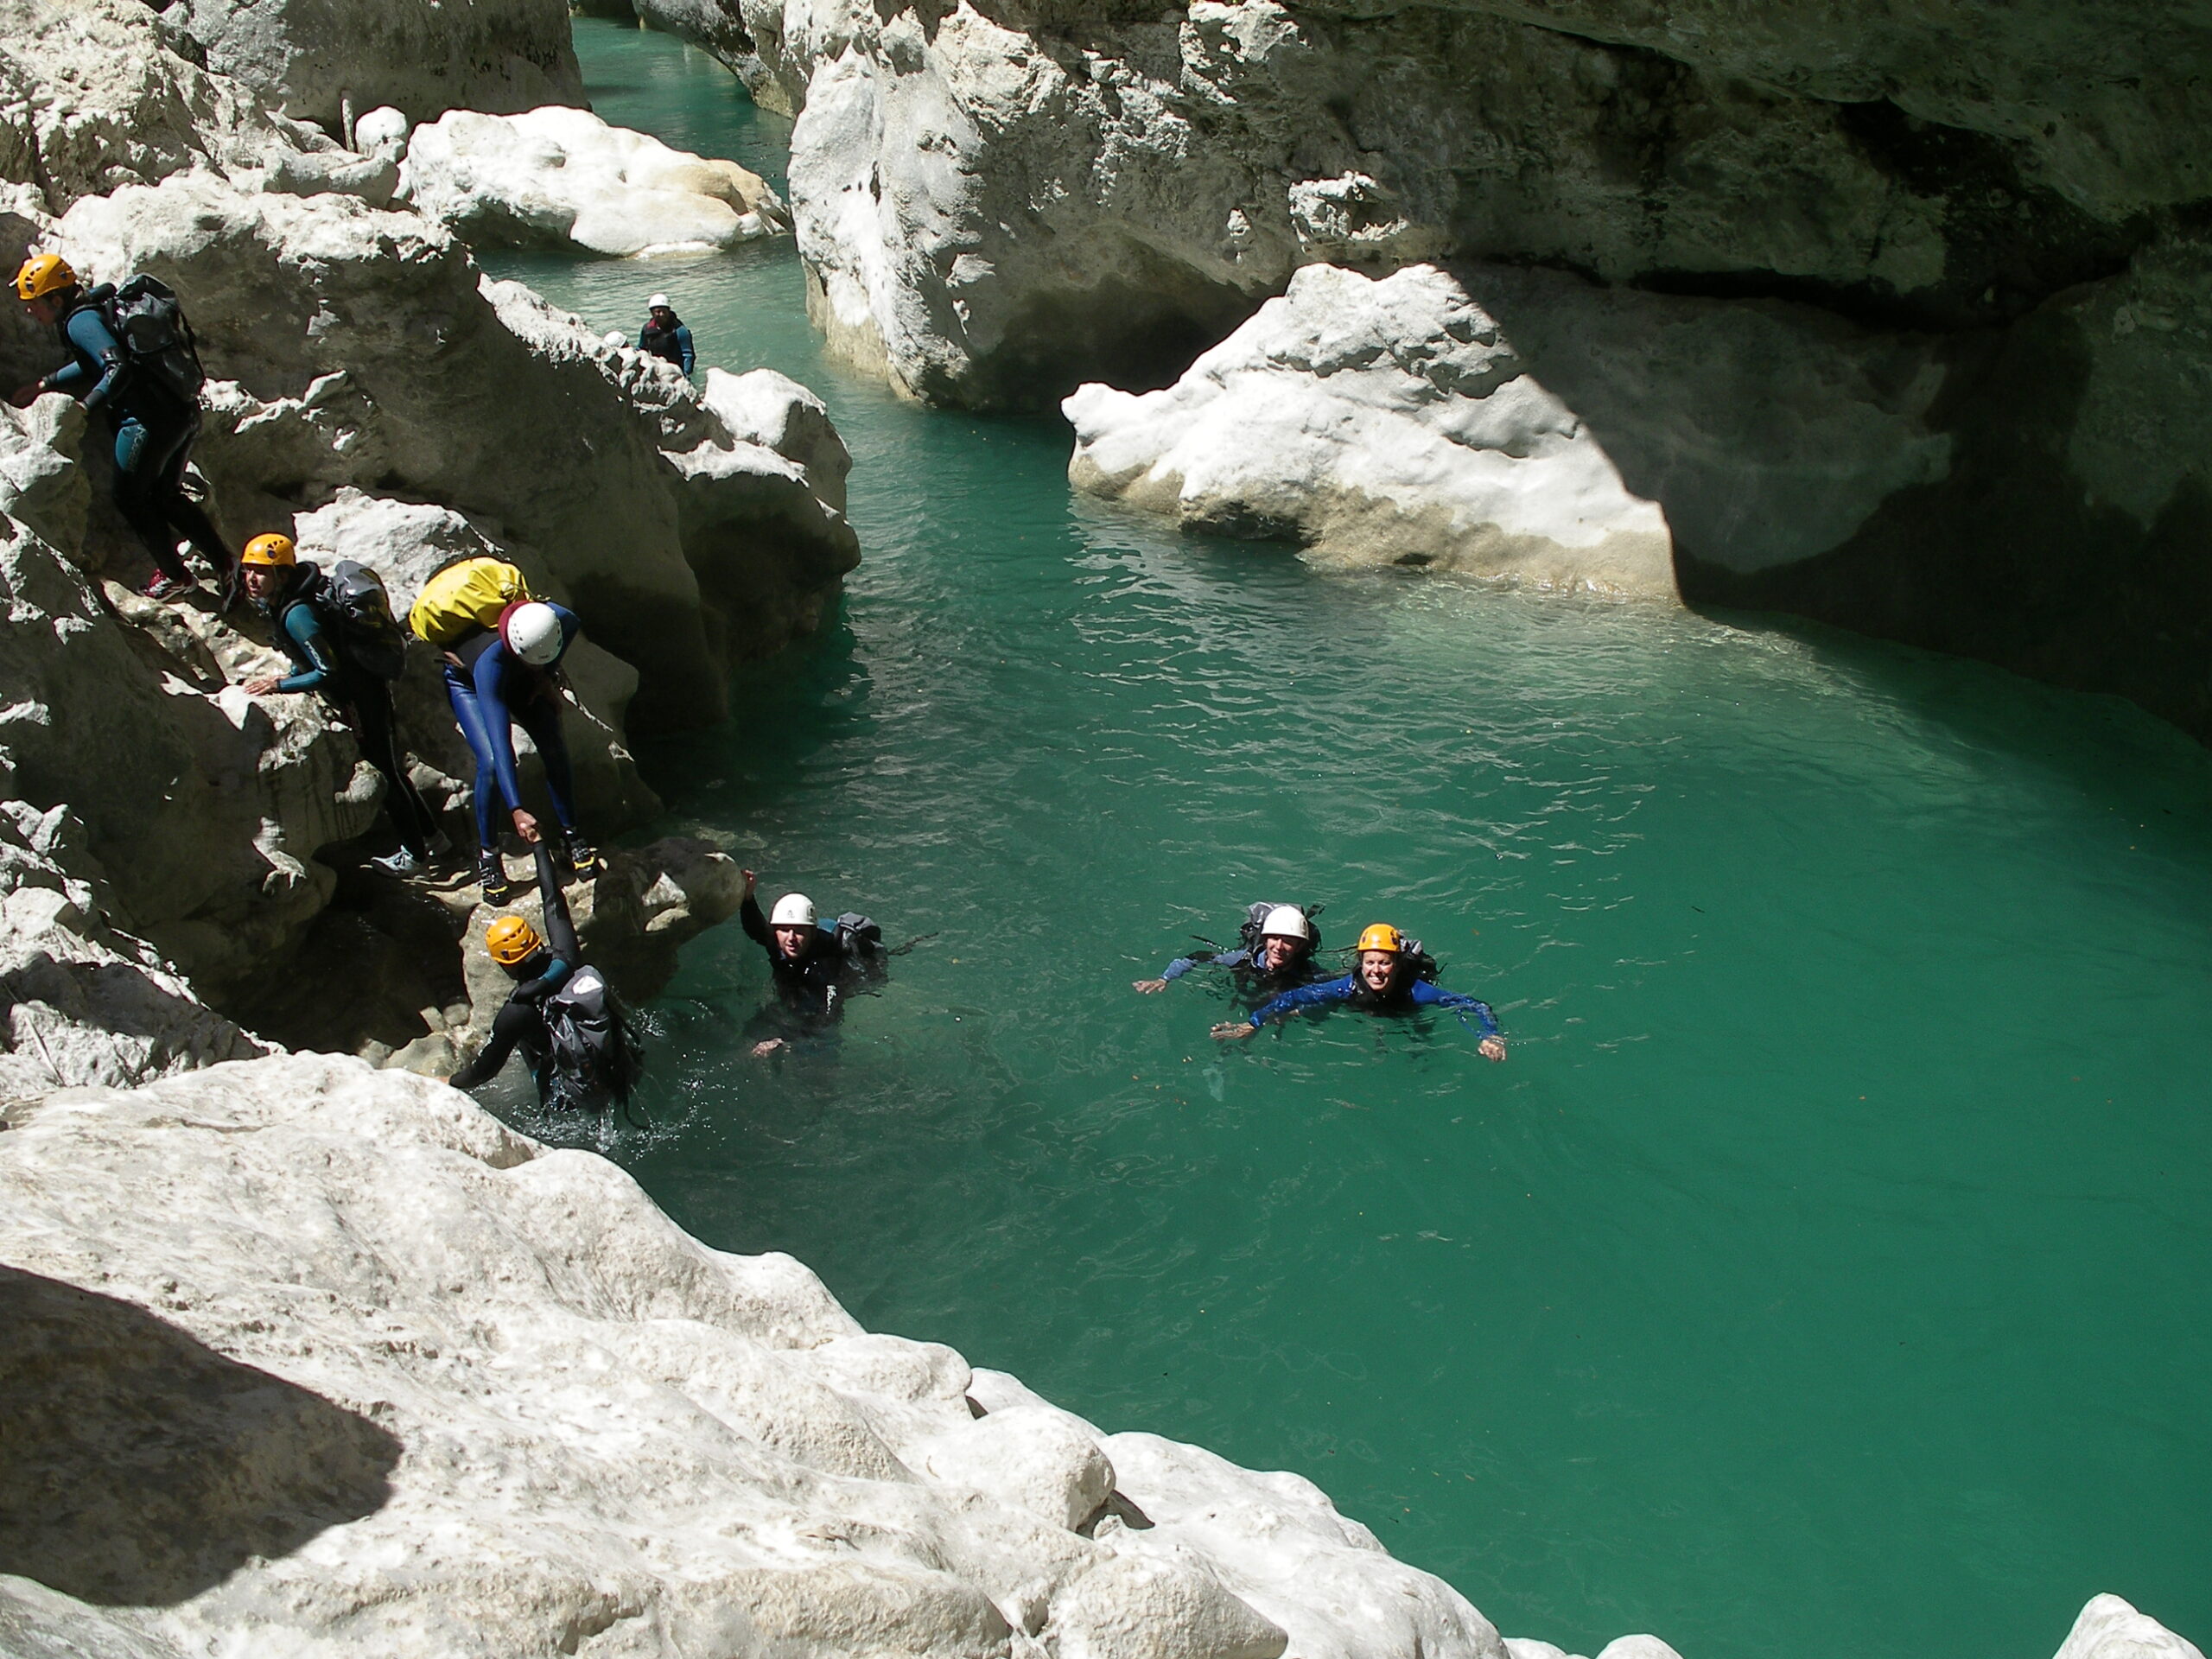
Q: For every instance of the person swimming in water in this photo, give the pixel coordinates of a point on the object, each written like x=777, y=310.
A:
x=814, y=966
x=1391, y=976
x=1274, y=952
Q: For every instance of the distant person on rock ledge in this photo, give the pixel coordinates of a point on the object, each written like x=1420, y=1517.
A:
x=1394, y=975
x=665, y=334
x=813, y=964
x=584, y=1051
x=132, y=358
x=335, y=655
x=1274, y=951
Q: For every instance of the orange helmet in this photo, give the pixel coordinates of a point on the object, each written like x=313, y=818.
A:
x=43, y=274
x=1380, y=936
x=511, y=941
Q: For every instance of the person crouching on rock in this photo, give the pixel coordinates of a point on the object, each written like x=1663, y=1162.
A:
x=1392, y=975
x=288, y=591
x=582, y=1050
x=813, y=966
x=149, y=398
x=503, y=677
x=1274, y=952
x=664, y=335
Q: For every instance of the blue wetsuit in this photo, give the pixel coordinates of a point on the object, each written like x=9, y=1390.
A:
x=492, y=691
x=364, y=699
x=153, y=442
x=672, y=345
x=1419, y=994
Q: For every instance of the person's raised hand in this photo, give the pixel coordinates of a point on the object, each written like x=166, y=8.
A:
x=526, y=827
x=1229, y=1031
x=752, y=879
x=1149, y=986
x=1492, y=1048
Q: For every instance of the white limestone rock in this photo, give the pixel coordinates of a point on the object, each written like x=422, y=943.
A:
x=423, y=56
x=564, y=176
x=2109, y=1628
x=1379, y=423
x=495, y=1403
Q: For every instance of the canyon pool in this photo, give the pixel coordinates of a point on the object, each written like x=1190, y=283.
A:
x=1825, y=1273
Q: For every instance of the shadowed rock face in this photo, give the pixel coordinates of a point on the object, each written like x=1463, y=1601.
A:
x=142, y=1467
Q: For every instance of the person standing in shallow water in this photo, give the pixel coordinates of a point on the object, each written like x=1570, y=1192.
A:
x=1388, y=977
x=665, y=334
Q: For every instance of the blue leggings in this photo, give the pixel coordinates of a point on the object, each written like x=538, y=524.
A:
x=542, y=721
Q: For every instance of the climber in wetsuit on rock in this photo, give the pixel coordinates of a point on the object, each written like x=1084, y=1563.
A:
x=1392, y=975
x=151, y=400
x=813, y=966
x=1274, y=952
x=288, y=591
x=581, y=1049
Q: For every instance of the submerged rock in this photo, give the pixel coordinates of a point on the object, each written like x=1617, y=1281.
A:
x=1379, y=423
x=565, y=176
x=497, y=1403
x=425, y=56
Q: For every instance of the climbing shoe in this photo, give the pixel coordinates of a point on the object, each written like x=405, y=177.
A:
x=491, y=875
x=165, y=586
x=578, y=856
x=401, y=862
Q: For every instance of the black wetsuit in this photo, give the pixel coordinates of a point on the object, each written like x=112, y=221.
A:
x=520, y=1022
x=360, y=696
x=671, y=344
x=813, y=988
x=153, y=429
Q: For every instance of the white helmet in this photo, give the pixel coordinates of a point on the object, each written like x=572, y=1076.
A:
x=794, y=910
x=658, y=302
x=1284, y=922
x=615, y=337
x=532, y=632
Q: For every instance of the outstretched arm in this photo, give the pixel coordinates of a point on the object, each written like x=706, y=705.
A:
x=514, y=1019
x=560, y=929
x=1436, y=996
x=1175, y=970
x=88, y=333
x=1304, y=996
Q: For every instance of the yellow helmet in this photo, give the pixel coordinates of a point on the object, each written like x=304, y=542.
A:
x=511, y=941
x=43, y=274
x=272, y=551
x=1380, y=936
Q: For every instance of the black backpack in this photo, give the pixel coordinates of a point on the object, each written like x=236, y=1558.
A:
x=1423, y=964
x=1248, y=934
x=595, y=1049
x=145, y=314
x=858, y=935
x=352, y=601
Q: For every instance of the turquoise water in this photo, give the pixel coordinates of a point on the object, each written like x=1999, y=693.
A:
x=1823, y=1274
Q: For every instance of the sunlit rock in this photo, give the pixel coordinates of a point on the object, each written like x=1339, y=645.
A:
x=565, y=176
x=1379, y=423
x=496, y=1402
x=424, y=56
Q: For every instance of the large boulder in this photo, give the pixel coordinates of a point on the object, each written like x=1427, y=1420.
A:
x=1379, y=423
x=497, y=1403
x=425, y=57
x=567, y=178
